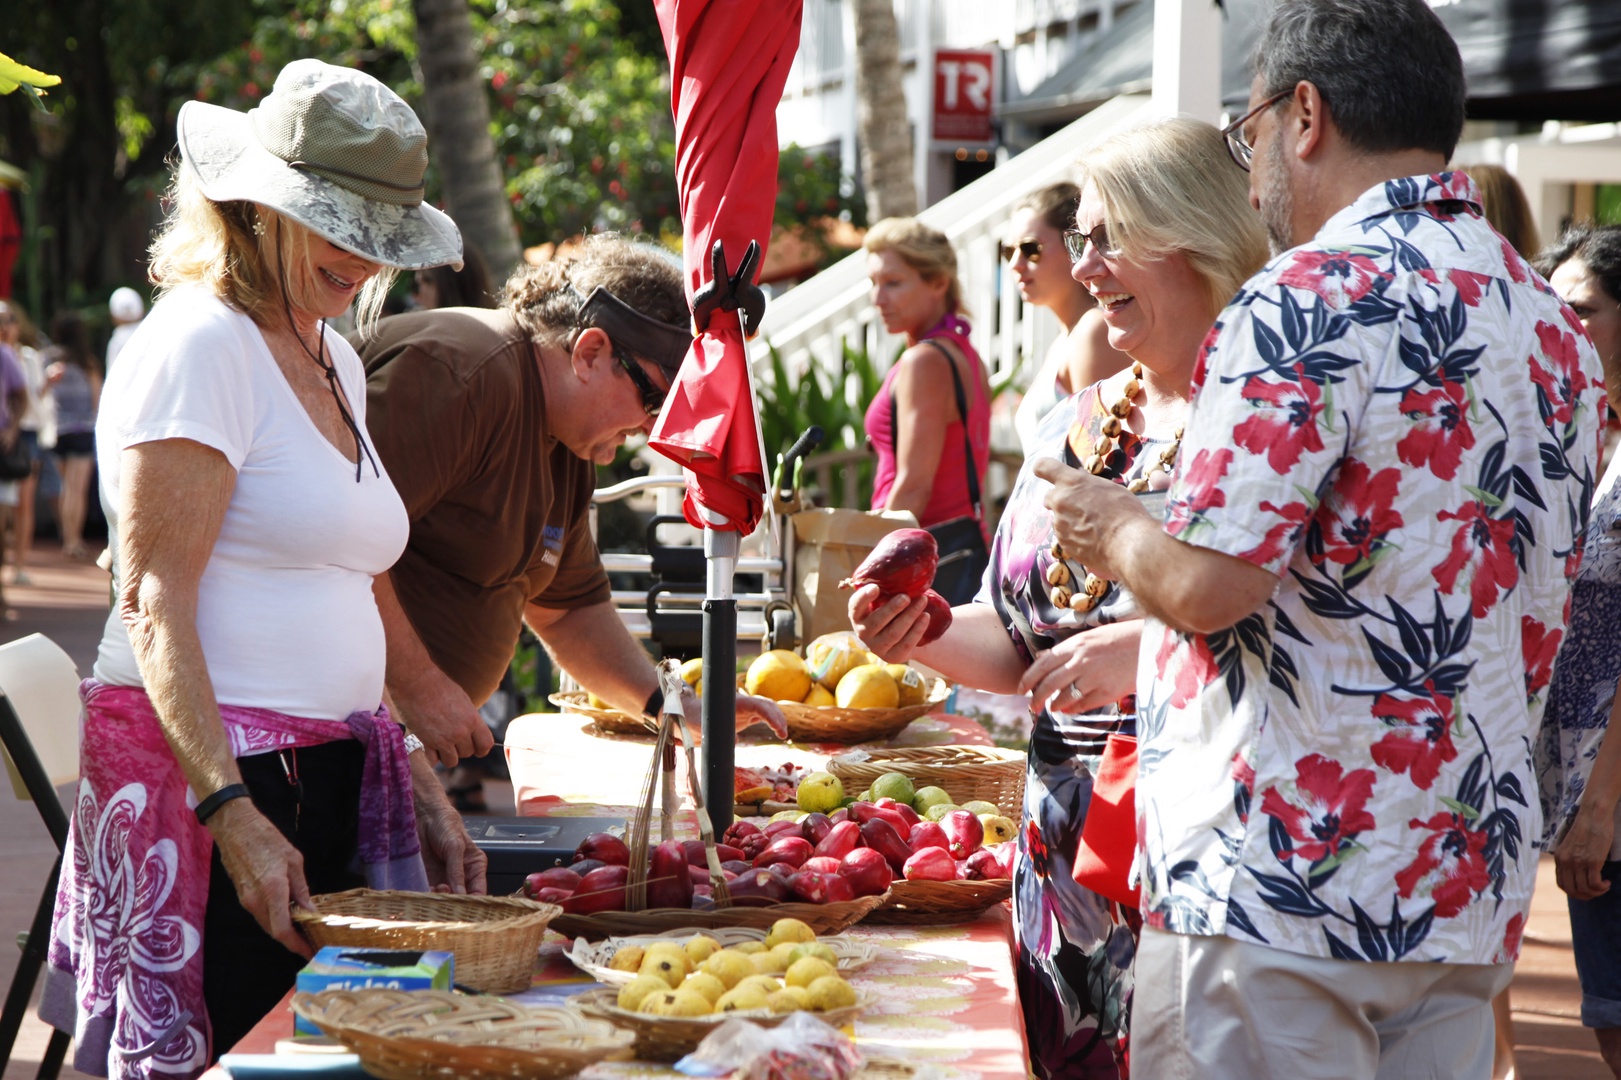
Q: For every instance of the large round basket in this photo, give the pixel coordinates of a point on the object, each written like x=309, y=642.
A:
x=939, y=903
x=407, y=1035
x=822, y=918
x=831, y=724
x=495, y=938
x=594, y=957
x=667, y=1038
x=608, y=721
x=985, y=773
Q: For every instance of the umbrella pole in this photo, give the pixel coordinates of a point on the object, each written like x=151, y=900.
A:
x=720, y=676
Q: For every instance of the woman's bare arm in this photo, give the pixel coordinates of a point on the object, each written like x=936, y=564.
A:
x=924, y=405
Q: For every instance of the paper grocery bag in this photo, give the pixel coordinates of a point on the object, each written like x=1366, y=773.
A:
x=829, y=543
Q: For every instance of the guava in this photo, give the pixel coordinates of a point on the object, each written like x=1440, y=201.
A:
x=894, y=785
x=929, y=796
x=820, y=793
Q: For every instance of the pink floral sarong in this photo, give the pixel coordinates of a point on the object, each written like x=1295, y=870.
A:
x=124, y=973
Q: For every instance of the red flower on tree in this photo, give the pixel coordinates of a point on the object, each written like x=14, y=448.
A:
x=1420, y=739
x=1358, y=512
x=1557, y=371
x=1451, y=864
x=1198, y=488
x=1482, y=557
x=1285, y=423
x=1195, y=670
x=1540, y=647
x=1339, y=277
x=1440, y=432
x=1329, y=808
x=1280, y=537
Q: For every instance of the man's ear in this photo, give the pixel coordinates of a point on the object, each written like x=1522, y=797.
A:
x=1310, y=121
x=592, y=352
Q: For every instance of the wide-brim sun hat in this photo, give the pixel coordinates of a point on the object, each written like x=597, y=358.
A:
x=334, y=150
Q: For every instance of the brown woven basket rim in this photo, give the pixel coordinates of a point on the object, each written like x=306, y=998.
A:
x=925, y=903
x=840, y=914
x=612, y=720
x=606, y=1000
x=508, y=909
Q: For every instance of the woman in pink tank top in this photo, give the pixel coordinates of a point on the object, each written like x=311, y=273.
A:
x=930, y=461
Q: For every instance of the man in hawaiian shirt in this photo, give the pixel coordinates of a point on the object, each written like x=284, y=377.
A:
x=1377, y=509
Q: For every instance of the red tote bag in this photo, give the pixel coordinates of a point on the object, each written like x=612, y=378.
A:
x=1109, y=837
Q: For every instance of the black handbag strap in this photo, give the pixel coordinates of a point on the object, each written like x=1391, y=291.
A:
x=962, y=413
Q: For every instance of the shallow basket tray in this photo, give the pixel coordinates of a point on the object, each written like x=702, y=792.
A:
x=822, y=918
x=495, y=938
x=984, y=773
x=667, y=1038
x=939, y=903
x=593, y=957
x=410, y=1034
x=608, y=721
x=831, y=724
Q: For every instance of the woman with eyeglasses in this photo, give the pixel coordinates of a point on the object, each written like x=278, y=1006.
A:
x=237, y=756
x=930, y=422
x=1164, y=236
x=1036, y=257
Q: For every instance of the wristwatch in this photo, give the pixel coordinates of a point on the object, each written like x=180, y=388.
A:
x=412, y=743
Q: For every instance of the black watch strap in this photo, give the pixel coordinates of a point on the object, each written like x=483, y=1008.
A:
x=655, y=704
x=210, y=806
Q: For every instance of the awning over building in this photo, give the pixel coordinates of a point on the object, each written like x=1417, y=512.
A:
x=1525, y=60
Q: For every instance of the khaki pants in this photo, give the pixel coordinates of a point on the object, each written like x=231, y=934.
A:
x=1212, y=1008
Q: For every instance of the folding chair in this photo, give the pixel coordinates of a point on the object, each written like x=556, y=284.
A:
x=39, y=727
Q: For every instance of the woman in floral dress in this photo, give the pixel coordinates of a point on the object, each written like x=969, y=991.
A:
x=1164, y=237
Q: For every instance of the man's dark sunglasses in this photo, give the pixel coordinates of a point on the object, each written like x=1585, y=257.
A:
x=1240, y=150
x=652, y=396
x=1075, y=242
x=1030, y=249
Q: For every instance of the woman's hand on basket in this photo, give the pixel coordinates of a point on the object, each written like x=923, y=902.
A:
x=892, y=629
x=268, y=872
x=1086, y=671
x=454, y=863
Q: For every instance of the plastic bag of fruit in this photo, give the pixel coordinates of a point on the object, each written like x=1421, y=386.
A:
x=802, y=1047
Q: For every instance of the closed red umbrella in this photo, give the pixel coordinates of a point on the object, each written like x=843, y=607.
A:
x=729, y=60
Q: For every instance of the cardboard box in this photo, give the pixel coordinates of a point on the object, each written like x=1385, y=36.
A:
x=338, y=967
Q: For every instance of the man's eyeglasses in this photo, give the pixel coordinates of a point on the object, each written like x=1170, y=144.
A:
x=1030, y=249
x=1240, y=150
x=1075, y=242
x=652, y=396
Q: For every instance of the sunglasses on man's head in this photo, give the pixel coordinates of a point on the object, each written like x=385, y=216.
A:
x=1075, y=242
x=652, y=396
x=1030, y=249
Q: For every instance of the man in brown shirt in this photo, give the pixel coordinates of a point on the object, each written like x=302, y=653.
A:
x=491, y=424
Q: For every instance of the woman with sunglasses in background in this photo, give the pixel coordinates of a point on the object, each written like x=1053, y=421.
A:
x=930, y=422
x=1036, y=257
x=1168, y=237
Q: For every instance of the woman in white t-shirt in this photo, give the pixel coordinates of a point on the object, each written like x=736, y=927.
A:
x=237, y=756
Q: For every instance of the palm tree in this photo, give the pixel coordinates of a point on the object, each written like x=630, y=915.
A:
x=886, y=137
x=457, y=114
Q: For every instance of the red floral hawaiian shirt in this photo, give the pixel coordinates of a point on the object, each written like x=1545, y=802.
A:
x=1401, y=420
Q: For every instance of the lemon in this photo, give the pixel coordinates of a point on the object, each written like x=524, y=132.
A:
x=828, y=993
x=794, y=931
x=779, y=675
x=910, y=684
x=701, y=947
x=831, y=657
x=742, y=999
x=868, y=687
x=627, y=959
x=729, y=966
x=812, y=948
x=706, y=984
x=819, y=696
x=807, y=969
x=686, y=1002
x=633, y=993
x=784, y=1001
x=693, y=671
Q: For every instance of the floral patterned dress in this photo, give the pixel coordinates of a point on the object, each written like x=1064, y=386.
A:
x=1074, y=947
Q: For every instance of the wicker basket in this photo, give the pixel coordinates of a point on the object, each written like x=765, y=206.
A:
x=831, y=724
x=822, y=918
x=594, y=957
x=406, y=1035
x=985, y=773
x=608, y=721
x=495, y=938
x=667, y=1038
x=939, y=903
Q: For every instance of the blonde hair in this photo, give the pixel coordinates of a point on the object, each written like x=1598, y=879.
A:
x=242, y=252
x=1503, y=202
x=924, y=249
x=1169, y=187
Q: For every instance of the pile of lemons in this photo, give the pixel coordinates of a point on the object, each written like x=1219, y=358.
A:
x=835, y=670
x=790, y=971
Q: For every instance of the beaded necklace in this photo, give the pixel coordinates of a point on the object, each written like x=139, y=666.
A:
x=1059, y=576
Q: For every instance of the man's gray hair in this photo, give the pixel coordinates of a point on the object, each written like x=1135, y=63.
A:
x=1388, y=69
